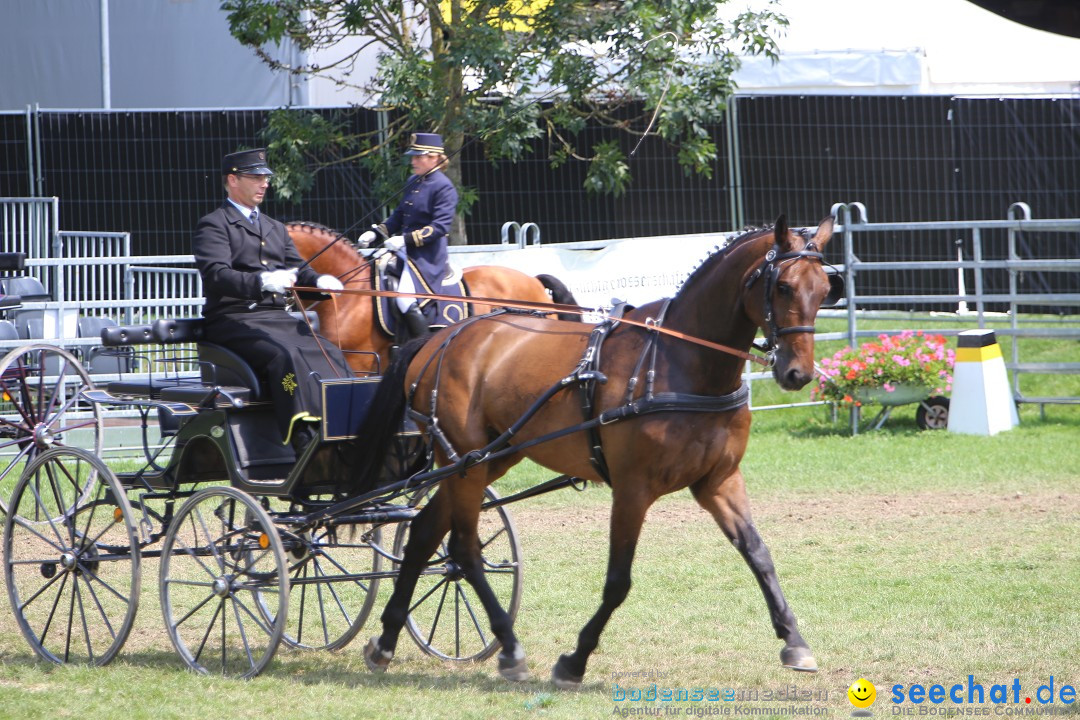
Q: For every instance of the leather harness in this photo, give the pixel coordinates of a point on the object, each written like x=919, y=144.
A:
x=587, y=375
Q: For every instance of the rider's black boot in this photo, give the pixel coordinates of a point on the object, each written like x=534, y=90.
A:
x=415, y=322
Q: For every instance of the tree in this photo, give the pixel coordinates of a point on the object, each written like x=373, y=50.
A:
x=507, y=72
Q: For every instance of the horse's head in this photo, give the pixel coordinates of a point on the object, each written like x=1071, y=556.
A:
x=782, y=295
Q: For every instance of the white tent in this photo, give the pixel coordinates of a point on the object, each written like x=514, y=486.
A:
x=138, y=54
x=911, y=47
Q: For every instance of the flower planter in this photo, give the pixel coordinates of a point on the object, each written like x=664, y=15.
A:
x=901, y=395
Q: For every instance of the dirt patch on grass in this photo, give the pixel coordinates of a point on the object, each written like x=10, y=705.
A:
x=855, y=507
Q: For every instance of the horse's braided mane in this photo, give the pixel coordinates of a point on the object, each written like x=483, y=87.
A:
x=312, y=225
x=721, y=251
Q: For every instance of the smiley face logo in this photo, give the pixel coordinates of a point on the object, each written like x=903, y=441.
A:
x=862, y=693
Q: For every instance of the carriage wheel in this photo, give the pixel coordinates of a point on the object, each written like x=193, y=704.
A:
x=220, y=558
x=446, y=618
x=933, y=413
x=333, y=583
x=41, y=408
x=72, y=574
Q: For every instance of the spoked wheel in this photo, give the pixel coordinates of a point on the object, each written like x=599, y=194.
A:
x=41, y=408
x=73, y=573
x=446, y=618
x=220, y=558
x=933, y=413
x=333, y=582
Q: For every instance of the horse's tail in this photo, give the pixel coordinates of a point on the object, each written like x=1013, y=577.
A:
x=559, y=294
x=383, y=419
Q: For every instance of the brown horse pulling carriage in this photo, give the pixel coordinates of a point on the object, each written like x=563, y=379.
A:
x=283, y=551
x=623, y=403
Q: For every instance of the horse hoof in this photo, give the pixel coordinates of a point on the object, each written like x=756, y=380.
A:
x=376, y=660
x=798, y=658
x=563, y=678
x=513, y=669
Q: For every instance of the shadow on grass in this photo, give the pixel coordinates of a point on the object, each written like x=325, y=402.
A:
x=317, y=668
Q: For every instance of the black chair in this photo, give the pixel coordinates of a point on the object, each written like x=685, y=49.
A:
x=8, y=331
x=97, y=358
x=29, y=323
x=27, y=286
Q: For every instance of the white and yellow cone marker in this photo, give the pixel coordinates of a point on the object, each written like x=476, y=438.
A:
x=982, y=401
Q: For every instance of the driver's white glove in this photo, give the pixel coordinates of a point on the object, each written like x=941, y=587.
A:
x=366, y=239
x=329, y=282
x=394, y=243
x=278, y=281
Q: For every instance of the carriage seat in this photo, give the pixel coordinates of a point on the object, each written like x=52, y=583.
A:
x=12, y=261
x=219, y=367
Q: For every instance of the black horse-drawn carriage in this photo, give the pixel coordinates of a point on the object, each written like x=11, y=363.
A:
x=256, y=544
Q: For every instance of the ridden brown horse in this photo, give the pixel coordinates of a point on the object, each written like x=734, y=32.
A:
x=668, y=413
x=349, y=320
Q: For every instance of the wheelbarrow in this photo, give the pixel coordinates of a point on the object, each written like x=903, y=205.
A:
x=932, y=413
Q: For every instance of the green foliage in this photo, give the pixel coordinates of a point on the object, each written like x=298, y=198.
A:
x=293, y=142
x=608, y=171
x=508, y=72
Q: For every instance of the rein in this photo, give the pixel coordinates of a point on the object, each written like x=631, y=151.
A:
x=647, y=324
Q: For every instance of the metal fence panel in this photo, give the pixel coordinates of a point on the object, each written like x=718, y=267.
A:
x=924, y=158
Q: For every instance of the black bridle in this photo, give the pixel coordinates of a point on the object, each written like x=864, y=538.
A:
x=770, y=270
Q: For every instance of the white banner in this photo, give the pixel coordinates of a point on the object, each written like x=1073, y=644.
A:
x=637, y=270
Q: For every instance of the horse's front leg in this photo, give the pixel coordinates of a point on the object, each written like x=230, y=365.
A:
x=426, y=531
x=726, y=501
x=627, y=517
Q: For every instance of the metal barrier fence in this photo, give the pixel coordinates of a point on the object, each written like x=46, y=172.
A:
x=1021, y=304
x=95, y=276
x=29, y=225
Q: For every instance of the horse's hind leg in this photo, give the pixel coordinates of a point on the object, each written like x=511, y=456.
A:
x=627, y=517
x=425, y=533
x=465, y=550
x=726, y=501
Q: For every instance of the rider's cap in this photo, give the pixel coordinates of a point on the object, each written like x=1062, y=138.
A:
x=247, y=162
x=425, y=144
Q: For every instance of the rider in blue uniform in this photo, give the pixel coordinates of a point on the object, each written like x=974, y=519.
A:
x=422, y=220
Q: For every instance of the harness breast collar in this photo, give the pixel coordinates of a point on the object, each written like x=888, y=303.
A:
x=589, y=376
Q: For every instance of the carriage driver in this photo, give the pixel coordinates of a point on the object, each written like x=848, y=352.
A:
x=248, y=262
x=422, y=219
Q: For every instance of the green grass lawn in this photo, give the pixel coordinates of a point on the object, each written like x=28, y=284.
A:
x=908, y=557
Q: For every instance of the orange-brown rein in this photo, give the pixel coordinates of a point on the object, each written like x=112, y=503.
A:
x=548, y=307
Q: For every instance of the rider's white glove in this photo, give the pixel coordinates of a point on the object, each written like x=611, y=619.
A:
x=366, y=239
x=329, y=282
x=394, y=243
x=278, y=281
